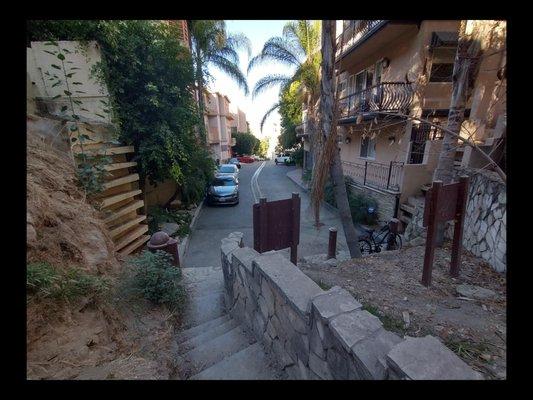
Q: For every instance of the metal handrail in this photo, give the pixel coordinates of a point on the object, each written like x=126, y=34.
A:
x=361, y=31
x=377, y=175
x=385, y=97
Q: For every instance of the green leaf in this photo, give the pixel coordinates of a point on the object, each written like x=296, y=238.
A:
x=73, y=128
x=57, y=96
x=100, y=115
x=56, y=84
x=79, y=91
x=86, y=137
x=73, y=68
x=78, y=102
x=64, y=108
x=51, y=43
x=55, y=66
x=50, y=52
x=67, y=92
x=61, y=56
x=70, y=75
x=77, y=83
x=75, y=117
x=73, y=139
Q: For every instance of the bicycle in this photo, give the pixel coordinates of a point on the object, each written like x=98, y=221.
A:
x=372, y=243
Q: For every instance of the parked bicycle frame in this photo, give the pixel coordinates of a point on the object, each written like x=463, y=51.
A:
x=372, y=243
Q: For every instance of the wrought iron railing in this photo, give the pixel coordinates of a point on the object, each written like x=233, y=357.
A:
x=385, y=97
x=355, y=32
x=376, y=175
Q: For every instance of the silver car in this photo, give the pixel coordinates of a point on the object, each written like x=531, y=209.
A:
x=228, y=170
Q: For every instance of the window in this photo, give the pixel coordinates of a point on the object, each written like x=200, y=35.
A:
x=442, y=65
x=368, y=147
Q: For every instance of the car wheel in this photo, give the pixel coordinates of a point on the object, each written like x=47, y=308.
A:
x=276, y=162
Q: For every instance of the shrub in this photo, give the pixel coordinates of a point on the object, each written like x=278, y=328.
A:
x=156, y=279
x=46, y=281
x=158, y=215
x=359, y=203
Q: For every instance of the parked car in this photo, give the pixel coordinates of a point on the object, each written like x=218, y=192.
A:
x=228, y=169
x=290, y=161
x=246, y=159
x=235, y=161
x=280, y=158
x=223, y=190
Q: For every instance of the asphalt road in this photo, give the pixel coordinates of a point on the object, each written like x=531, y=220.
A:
x=215, y=223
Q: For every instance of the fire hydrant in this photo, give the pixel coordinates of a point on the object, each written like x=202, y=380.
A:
x=161, y=241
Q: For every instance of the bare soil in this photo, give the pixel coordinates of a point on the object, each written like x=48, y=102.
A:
x=388, y=285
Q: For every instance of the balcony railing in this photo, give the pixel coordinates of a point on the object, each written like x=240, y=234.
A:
x=385, y=97
x=376, y=175
x=356, y=32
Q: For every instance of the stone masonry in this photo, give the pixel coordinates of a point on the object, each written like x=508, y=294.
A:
x=317, y=334
x=485, y=226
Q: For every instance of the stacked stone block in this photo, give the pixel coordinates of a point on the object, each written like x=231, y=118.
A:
x=316, y=334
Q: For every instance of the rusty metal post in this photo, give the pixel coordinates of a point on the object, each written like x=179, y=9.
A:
x=431, y=233
x=161, y=241
x=332, y=245
x=295, y=211
x=263, y=228
x=462, y=197
x=393, y=228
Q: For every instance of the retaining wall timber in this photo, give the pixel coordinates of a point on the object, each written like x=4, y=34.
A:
x=317, y=334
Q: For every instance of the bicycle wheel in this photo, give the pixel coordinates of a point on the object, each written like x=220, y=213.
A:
x=397, y=242
x=365, y=246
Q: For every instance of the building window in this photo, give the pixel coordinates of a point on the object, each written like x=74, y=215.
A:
x=368, y=147
x=233, y=130
x=442, y=65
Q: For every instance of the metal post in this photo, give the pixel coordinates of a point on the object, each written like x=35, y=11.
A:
x=388, y=179
x=431, y=233
x=364, y=179
x=295, y=211
x=263, y=228
x=462, y=196
x=332, y=245
x=393, y=228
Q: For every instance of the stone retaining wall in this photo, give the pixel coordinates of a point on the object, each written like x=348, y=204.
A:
x=317, y=334
x=485, y=226
x=386, y=201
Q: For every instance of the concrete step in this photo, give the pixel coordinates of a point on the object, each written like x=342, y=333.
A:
x=203, y=280
x=405, y=219
x=414, y=201
x=204, y=308
x=215, y=350
x=207, y=335
x=198, y=329
x=407, y=208
x=250, y=363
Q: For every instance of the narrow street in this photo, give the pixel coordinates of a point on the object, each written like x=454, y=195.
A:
x=215, y=223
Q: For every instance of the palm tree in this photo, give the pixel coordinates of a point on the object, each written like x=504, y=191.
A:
x=213, y=46
x=299, y=49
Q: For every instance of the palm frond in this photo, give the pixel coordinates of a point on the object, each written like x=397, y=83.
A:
x=239, y=41
x=231, y=69
x=277, y=49
x=267, y=114
x=268, y=81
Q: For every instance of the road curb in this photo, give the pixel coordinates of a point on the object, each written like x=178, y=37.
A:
x=183, y=246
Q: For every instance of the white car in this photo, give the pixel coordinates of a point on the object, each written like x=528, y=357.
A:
x=280, y=159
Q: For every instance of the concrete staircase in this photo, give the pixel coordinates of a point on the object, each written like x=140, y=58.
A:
x=214, y=345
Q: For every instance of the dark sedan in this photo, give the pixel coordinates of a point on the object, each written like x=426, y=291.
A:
x=223, y=190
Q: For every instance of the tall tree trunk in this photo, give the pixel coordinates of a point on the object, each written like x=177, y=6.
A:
x=468, y=49
x=201, y=103
x=329, y=127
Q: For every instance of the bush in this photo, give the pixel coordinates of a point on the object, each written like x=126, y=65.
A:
x=298, y=156
x=359, y=204
x=156, y=279
x=46, y=281
x=158, y=215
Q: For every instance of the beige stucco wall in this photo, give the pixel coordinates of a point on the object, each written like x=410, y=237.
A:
x=38, y=62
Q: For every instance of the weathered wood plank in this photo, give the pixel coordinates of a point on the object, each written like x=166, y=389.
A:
x=126, y=225
x=107, y=201
x=135, y=244
x=131, y=236
x=123, y=165
x=134, y=205
x=121, y=181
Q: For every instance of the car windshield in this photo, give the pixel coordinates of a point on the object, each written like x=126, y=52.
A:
x=227, y=169
x=234, y=160
x=224, y=182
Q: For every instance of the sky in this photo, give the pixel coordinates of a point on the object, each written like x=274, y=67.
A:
x=258, y=31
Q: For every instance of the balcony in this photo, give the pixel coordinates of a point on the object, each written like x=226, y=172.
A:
x=357, y=32
x=214, y=137
x=362, y=39
x=390, y=97
x=376, y=175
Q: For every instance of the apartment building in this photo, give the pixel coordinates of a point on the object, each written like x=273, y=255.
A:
x=218, y=120
x=386, y=68
x=239, y=123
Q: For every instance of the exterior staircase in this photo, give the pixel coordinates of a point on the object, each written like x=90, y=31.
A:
x=214, y=346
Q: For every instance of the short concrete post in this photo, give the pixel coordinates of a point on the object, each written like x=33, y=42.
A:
x=332, y=245
x=161, y=241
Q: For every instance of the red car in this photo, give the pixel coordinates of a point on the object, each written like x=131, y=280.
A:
x=245, y=159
